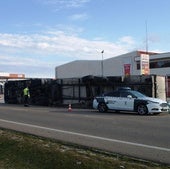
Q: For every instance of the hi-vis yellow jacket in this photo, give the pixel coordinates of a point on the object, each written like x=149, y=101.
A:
x=26, y=92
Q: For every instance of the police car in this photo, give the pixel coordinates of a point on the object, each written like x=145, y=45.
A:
x=125, y=99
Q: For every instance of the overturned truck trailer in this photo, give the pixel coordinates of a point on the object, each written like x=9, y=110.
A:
x=43, y=92
x=80, y=91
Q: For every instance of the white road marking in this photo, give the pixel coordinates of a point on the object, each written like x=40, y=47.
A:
x=88, y=136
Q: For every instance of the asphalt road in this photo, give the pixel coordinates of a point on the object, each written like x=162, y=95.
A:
x=145, y=137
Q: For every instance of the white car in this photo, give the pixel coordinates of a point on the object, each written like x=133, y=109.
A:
x=125, y=99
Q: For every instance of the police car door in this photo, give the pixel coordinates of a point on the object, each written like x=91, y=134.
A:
x=126, y=101
x=112, y=100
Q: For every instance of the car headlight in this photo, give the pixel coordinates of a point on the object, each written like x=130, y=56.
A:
x=168, y=104
x=164, y=105
x=152, y=102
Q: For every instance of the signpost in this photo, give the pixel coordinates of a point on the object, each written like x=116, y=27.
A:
x=144, y=64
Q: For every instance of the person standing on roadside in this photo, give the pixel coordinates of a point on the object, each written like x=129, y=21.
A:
x=26, y=96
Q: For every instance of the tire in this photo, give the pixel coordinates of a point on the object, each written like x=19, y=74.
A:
x=142, y=109
x=102, y=107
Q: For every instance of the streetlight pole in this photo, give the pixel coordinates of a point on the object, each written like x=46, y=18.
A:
x=102, y=62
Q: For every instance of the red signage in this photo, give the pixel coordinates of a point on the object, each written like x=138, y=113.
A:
x=127, y=69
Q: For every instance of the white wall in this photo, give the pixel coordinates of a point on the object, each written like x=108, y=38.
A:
x=160, y=71
x=78, y=69
x=115, y=65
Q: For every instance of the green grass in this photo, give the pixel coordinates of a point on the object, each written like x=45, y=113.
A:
x=22, y=151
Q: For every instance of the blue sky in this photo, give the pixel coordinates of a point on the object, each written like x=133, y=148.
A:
x=38, y=35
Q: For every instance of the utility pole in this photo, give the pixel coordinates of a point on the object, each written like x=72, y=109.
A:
x=146, y=25
x=102, y=62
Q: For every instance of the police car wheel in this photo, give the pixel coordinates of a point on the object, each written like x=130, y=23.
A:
x=102, y=107
x=142, y=109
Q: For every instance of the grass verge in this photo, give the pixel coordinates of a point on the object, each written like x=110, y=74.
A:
x=22, y=151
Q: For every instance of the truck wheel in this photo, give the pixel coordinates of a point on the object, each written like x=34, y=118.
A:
x=142, y=109
x=102, y=107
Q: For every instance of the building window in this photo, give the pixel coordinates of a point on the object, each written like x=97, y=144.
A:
x=160, y=64
x=138, y=65
x=157, y=64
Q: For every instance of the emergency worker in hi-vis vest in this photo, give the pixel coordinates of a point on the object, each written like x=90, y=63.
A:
x=26, y=96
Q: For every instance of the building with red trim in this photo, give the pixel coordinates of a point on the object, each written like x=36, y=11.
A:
x=122, y=65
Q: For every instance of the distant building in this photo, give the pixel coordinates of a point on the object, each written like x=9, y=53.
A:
x=5, y=76
x=126, y=64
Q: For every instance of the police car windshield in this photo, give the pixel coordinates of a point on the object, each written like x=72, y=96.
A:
x=137, y=94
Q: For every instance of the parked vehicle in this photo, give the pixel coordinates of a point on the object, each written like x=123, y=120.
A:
x=125, y=99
